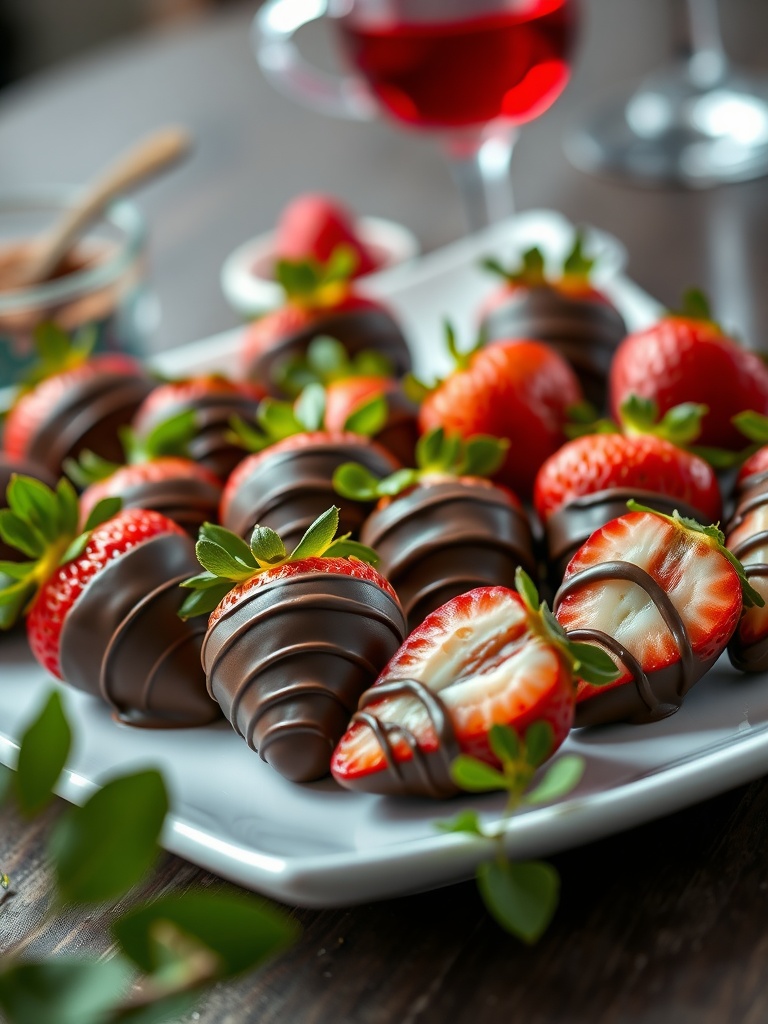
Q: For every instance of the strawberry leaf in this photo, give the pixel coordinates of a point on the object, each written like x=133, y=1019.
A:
x=577, y=264
x=318, y=537
x=68, y=506
x=234, y=545
x=17, y=570
x=562, y=776
x=398, y=482
x=414, y=389
x=592, y=663
x=526, y=588
x=429, y=448
x=20, y=535
x=476, y=776
x=88, y=469
x=266, y=546
x=521, y=897
x=345, y=548
x=204, y=600
x=171, y=437
x=278, y=420
x=466, y=821
x=369, y=417
x=75, y=548
x=720, y=458
x=203, y=581
x=681, y=425
x=484, y=454
x=36, y=504
x=220, y=562
x=539, y=741
x=752, y=425
x=505, y=743
x=356, y=482
x=695, y=306
x=309, y=408
x=15, y=596
x=102, y=511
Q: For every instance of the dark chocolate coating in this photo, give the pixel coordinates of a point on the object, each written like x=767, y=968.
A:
x=124, y=641
x=425, y=773
x=443, y=539
x=585, y=332
x=647, y=696
x=289, y=489
x=358, y=330
x=401, y=430
x=289, y=662
x=88, y=416
x=211, y=446
x=751, y=496
x=188, y=501
x=22, y=467
x=568, y=527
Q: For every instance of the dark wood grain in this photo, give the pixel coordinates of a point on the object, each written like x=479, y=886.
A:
x=662, y=923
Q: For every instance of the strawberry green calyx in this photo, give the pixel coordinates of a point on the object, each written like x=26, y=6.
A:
x=312, y=284
x=228, y=560
x=58, y=351
x=715, y=538
x=680, y=425
x=696, y=306
x=578, y=266
x=437, y=454
x=417, y=390
x=42, y=525
x=754, y=426
x=587, y=661
x=529, y=273
x=326, y=361
x=277, y=420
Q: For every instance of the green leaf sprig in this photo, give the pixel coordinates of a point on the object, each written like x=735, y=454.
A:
x=530, y=271
x=229, y=561
x=327, y=360
x=42, y=525
x=417, y=390
x=638, y=417
x=58, y=351
x=314, y=284
x=276, y=420
x=180, y=943
x=437, y=455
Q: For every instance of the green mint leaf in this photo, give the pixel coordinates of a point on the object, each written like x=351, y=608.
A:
x=309, y=407
x=103, y=510
x=465, y=821
x=221, y=563
x=353, y=481
x=345, y=548
x=538, y=743
x=505, y=743
x=64, y=990
x=43, y=752
x=368, y=418
x=102, y=849
x=240, y=930
x=20, y=535
x=593, y=664
x=562, y=776
x=476, y=776
x=521, y=897
x=318, y=537
x=266, y=546
x=526, y=588
x=36, y=504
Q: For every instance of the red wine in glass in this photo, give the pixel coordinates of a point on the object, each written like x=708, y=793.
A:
x=512, y=64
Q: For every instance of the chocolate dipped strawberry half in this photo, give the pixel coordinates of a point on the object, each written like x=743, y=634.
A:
x=74, y=401
x=441, y=528
x=293, y=639
x=663, y=596
x=102, y=605
x=320, y=299
x=688, y=357
x=518, y=390
x=215, y=400
x=288, y=481
x=492, y=656
x=588, y=481
x=156, y=475
x=565, y=310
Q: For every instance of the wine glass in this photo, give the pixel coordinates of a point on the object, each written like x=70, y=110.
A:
x=697, y=122
x=469, y=72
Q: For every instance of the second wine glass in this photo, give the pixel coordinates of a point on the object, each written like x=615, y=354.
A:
x=469, y=72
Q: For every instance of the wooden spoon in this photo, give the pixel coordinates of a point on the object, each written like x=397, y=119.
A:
x=154, y=153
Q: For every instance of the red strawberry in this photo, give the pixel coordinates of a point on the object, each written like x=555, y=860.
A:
x=399, y=432
x=293, y=639
x=518, y=390
x=688, y=358
x=487, y=657
x=663, y=596
x=313, y=225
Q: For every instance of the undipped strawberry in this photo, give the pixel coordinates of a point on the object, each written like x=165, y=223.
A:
x=314, y=225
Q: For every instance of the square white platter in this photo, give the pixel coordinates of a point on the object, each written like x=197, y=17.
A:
x=316, y=845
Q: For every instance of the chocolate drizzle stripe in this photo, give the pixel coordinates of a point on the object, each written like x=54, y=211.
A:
x=749, y=544
x=755, y=480
x=420, y=549
x=627, y=659
x=433, y=769
x=631, y=573
x=758, y=570
x=299, y=689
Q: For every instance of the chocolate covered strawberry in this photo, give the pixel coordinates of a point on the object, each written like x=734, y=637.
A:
x=154, y=477
x=589, y=480
x=441, y=529
x=488, y=657
x=517, y=390
x=687, y=357
x=313, y=226
x=320, y=300
x=214, y=400
x=663, y=596
x=565, y=310
x=102, y=605
x=289, y=482
x=77, y=401
x=293, y=639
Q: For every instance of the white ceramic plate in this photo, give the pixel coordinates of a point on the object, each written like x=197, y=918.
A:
x=316, y=845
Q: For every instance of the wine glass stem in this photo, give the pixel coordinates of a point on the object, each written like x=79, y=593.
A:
x=481, y=173
x=699, y=40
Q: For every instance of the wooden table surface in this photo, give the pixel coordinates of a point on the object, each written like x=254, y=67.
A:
x=665, y=922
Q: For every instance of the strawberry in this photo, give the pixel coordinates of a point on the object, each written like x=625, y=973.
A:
x=293, y=639
x=488, y=657
x=313, y=226
x=102, y=607
x=663, y=596
x=214, y=400
x=517, y=390
x=320, y=300
x=442, y=529
x=687, y=358
x=566, y=311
